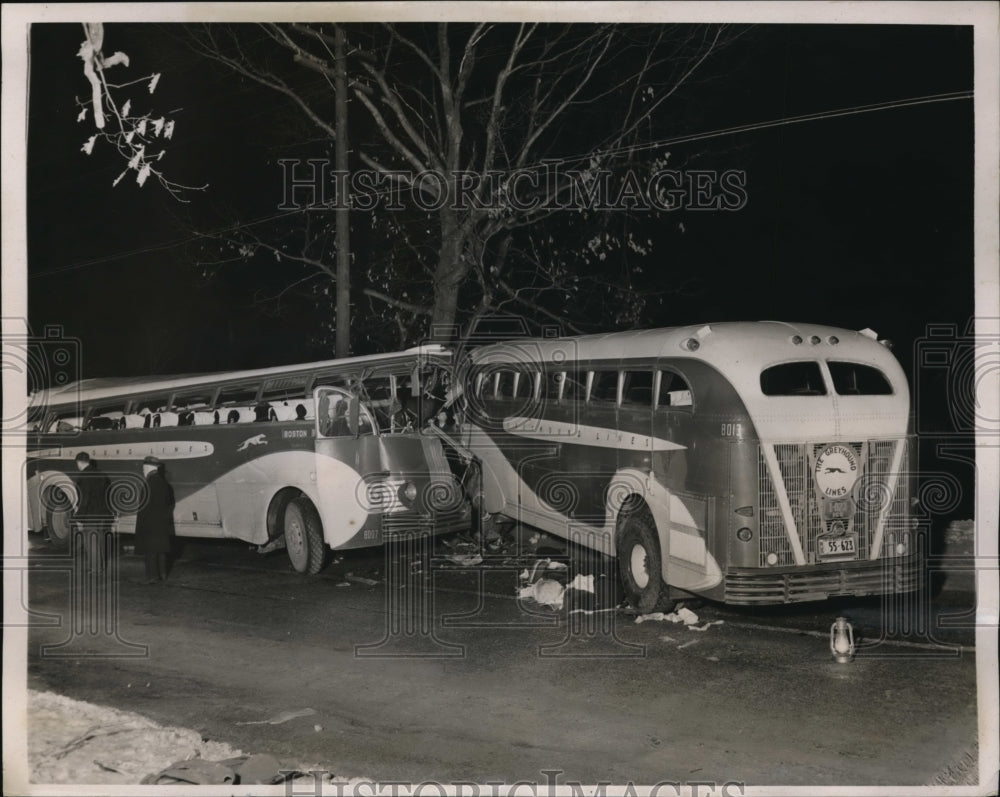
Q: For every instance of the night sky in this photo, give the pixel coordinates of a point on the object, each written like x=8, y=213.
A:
x=861, y=220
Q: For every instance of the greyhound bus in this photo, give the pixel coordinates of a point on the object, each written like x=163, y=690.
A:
x=319, y=456
x=749, y=463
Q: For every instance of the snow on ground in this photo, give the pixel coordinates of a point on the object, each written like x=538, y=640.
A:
x=73, y=742
x=70, y=741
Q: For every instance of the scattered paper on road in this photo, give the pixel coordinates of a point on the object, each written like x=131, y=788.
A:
x=545, y=591
x=466, y=560
x=682, y=615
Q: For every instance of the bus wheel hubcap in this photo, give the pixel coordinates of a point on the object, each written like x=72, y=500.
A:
x=638, y=568
x=293, y=540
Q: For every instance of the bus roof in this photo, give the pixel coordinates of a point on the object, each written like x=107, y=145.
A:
x=96, y=389
x=740, y=351
x=727, y=345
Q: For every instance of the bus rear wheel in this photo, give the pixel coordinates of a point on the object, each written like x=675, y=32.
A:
x=639, y=563
x=59, y=518
x=304, y=536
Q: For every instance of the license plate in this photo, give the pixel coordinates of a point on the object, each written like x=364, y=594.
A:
x=838, y=546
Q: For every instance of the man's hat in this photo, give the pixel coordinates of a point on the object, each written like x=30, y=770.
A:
x=151, y=460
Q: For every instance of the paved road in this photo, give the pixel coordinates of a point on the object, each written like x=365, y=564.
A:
x=498, y=689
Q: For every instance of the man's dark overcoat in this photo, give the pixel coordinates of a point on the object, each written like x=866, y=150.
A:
x=92, y=487
x=154, y=523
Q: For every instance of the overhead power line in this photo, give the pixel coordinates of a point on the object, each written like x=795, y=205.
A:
x=632, y=148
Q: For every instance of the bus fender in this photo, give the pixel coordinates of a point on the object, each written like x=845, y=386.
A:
x=38, y=487
x=691, y=564
x=629, y=482
x=48, y=479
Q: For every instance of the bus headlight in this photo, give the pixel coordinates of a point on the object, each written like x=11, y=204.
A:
x=772, y=558
x=407, y=493
x=744, y=534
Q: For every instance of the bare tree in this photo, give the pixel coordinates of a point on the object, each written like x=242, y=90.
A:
x=488, y=130
x=139, y=136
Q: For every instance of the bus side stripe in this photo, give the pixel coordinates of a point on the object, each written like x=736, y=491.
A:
x=585, y=435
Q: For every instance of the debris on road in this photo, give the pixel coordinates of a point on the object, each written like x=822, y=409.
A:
x=368, y=582
x=544, y=591
x=582, y=583
x=706, y=626
x=281, y=718
x=466, y=560
x=277, y=544
x=681, y=615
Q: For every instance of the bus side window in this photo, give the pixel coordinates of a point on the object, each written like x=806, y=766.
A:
x=552, y=386
x=505, y=384
x=575, y=387
x=604, y=387
x=674, y=390
x=523, y=385
x=67, y=423
x=637, y=389
x=138, y=420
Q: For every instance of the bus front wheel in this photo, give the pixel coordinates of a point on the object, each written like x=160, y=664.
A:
x=59, y=518
x=640, y=565
x=304, y=536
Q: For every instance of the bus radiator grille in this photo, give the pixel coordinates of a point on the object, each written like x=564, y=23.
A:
x=873, y=490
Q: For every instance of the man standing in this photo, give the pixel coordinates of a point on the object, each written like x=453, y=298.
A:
x=154, y=523
x=92, y=518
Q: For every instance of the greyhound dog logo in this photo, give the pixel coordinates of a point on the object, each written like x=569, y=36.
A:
x=256, y=440
x=836, y=470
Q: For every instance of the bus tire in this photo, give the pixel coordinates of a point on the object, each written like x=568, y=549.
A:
x=304, y=537
x=59, y=519
x=639, y=563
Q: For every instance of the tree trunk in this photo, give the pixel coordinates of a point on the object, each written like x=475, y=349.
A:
x=449, y=274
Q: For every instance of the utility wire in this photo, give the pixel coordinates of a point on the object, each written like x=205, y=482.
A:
x=632, y=148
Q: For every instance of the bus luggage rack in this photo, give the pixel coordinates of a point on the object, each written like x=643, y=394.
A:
x=796, y=461
x=773, y=587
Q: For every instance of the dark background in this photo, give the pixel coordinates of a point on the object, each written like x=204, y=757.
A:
x=858, y=221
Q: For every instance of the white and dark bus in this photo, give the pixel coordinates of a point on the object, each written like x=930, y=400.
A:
x=326, y=455
x=749, y=463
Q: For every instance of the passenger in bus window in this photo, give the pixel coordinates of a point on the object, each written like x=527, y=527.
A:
x=300, y=412
x=336, y=425
x=100, y=423
x=154, y=522
x=264, y=412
